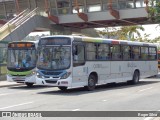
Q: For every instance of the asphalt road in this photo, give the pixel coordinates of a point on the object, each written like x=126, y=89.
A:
x=118, y=97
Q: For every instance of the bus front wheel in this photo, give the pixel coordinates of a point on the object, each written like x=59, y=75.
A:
x=63, y=88
x=135, y=79
x=29, y=84
x=91, y=83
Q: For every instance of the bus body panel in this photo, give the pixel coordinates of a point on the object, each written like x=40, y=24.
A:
x=153, y=70
x=79, y=76
x=126, y=70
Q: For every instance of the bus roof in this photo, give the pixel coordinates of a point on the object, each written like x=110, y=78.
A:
x=105, y=40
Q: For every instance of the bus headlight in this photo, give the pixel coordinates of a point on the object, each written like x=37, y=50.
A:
x=32, y=73
x=66, y=75
x=38, y=75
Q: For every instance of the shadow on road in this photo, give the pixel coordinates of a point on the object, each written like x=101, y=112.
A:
x=24, y=87
x=106, y=87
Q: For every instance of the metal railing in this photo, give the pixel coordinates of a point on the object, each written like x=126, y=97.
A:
x=17, y=21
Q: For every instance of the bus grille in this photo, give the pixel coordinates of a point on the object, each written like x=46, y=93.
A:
x=51, y=73
x=51, y=77
x=18, y=75
x=50, y=81
x=19, y=80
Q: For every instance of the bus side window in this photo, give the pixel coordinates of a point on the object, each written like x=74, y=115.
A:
x=135, y=53
x=75, y=53
x=91, y=51
x=127, y=52
x=103, y=52
x=152, y=53
x=116, y=52
x=144, y=53
x=78, y=54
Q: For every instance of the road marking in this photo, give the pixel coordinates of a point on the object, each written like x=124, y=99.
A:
x=12, y=93
x=76, y=110
x=15, y=105
x=145, y=89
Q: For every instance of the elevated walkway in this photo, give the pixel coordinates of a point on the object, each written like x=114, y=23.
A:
x=137, y=16
x=23, y=24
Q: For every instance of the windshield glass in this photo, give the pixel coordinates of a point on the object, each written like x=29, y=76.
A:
x=52, y=58
x=158, y=56
x=21, y=59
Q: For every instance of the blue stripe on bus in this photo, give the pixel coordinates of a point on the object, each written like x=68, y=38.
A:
x=106, y=41
x=145, y=44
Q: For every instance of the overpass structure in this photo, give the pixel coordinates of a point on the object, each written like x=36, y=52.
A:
x=69, y=15
x=20, y=17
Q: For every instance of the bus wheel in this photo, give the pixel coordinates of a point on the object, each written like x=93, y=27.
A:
x=91, y=83
x=135, y=79
x=29, y=84
x=63, y=88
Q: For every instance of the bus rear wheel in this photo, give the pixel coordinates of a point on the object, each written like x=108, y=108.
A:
x=91, y=83
x=63, y=88
x=135, y=79
x=29, y=84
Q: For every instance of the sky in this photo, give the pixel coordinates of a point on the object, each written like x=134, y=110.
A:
x=153, y=30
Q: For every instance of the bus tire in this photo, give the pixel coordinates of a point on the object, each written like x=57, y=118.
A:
x=63, y=88
x=29, y=84
x=91, y=83
x=135, y=78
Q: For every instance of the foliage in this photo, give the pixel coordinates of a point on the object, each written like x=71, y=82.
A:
x=154, y=10
x=122, y=33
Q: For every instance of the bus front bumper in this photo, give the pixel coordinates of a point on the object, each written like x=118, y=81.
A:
x=54, y=82
x=21, y=79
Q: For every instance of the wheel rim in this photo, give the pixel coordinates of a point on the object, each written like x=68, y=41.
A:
x=136, y=77
x=91, y=82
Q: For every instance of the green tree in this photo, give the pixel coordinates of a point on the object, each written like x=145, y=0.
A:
x=154, y=10
x=123, y=33
x=131, y=31
x=109, y=32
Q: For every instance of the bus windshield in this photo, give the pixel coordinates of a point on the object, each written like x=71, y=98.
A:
x=21, y=59
x=158, y=55
x=54, y=58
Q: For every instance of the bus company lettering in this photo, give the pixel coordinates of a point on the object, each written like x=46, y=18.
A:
x=131, y=65
x=99, y=66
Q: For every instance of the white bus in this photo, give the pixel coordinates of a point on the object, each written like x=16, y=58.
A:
x=21, y=62
x=74, y=61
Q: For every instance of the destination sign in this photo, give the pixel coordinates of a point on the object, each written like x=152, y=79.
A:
x=55, y=41
x=20, y=45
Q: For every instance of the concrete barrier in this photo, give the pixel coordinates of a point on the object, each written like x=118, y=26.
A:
x=2, y=77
